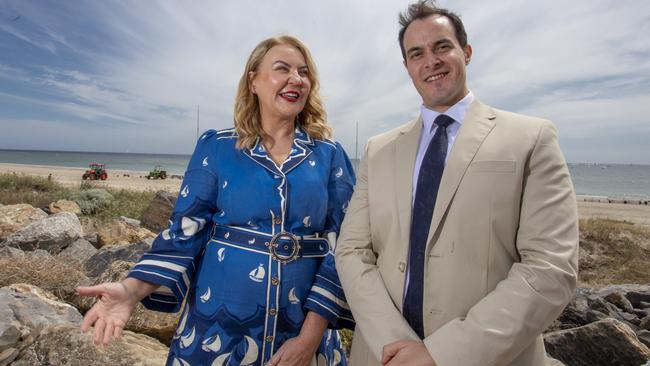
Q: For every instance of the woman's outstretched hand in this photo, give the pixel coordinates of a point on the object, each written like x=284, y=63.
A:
x=109, y=315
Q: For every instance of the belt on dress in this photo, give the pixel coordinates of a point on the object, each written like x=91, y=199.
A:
x=284, y=247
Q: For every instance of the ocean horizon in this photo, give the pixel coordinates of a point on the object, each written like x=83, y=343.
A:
x=614, y=180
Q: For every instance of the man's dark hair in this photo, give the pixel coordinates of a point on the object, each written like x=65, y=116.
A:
x=423, y=9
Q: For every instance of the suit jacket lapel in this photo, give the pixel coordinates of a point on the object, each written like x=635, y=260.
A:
x=478, y=123
x=405, y=151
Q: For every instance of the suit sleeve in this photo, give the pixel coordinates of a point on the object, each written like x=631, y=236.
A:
x=172, y=260
x=374, y=311
x=536, y=290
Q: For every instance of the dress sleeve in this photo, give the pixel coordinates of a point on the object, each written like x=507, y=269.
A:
x=326, y=297
x=172, y=260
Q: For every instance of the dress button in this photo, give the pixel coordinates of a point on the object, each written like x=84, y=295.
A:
x=402, y=266
x=269, y=339
x=275, y=281
x=277, y=221
x=272, y=312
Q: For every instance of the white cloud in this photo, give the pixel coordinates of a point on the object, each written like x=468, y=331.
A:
x=143, y=67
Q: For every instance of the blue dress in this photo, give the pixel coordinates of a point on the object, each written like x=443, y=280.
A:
x=241, y=300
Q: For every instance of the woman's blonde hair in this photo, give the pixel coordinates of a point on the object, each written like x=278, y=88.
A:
x=248, y=125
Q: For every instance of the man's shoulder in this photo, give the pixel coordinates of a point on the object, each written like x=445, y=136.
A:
x=391, y=135
x=516, y=119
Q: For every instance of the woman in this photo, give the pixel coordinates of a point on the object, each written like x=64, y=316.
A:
x=245, y=244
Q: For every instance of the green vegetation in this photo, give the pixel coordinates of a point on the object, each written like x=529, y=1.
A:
x=96, y=203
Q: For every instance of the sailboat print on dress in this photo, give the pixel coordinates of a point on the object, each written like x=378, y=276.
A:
x=187, y=340
x=221, y=254
x=205, y=161
x=211, y=344
x=206, y=296
x=180, y=362
x=292, y=296
x=185, y=191
x=181, y=326
x=257, y=274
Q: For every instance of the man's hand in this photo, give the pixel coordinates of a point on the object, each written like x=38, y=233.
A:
x=406, y=353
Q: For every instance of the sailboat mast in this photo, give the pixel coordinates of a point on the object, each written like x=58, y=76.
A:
x=356, y=144
x=197, y=121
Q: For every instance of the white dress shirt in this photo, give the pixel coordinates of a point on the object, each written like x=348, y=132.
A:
x=457, y=112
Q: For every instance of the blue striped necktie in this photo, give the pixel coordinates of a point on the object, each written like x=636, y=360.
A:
x=426, y=191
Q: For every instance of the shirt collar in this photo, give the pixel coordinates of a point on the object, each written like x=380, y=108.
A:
x=456, y=111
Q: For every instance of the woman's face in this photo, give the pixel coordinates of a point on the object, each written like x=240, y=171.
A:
x=281, y=83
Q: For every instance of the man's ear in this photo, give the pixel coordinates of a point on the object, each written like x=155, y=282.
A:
x=467, y=50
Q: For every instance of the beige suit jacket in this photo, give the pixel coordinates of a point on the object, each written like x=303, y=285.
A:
x=501, y=259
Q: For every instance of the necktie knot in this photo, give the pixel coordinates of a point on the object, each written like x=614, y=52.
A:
x=443, y=120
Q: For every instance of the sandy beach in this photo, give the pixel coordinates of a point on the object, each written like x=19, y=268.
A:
x=119, y=179
x=135, y=180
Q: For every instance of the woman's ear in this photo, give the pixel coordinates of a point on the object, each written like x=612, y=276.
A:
x=251, y=82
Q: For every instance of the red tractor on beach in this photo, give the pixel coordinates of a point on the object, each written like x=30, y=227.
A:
x=96, y=171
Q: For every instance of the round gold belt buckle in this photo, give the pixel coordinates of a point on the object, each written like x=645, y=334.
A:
x=295, y=250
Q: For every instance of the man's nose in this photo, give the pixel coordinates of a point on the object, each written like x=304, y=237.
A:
x=431, y=60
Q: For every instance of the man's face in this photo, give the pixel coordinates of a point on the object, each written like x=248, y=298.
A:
x=436, y=62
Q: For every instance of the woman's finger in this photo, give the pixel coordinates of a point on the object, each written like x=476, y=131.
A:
x=91, y=290
x=108, y=333
x=117, y=332
x=89, y=320
x=98, y=333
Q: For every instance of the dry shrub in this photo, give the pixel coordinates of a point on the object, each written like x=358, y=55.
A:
x=36, y=191
x=613, y=252
x=45, y=272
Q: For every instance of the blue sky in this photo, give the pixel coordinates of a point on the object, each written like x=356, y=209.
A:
x=128, y=75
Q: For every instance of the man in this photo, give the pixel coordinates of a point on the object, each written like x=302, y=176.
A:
x=459, y=246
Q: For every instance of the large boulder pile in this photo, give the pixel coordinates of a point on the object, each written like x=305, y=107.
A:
x=607, y=326
x=43, y=258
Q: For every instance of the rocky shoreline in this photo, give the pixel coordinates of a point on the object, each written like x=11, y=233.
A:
x=45, y=255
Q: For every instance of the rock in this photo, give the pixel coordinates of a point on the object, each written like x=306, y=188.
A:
x=16, y=217
x=52, y=233
x=576, y=313
x=121, y=232
x=93, y=239
x=10, y=252
x=101, y=260
x=7, y=356
x=554, y=362
x=65, y=345
x=606, y=342
x=152, y=323
x=25, y=310
x=156, y=216
x=644, y=337
x=639, y=299
x=130, y=221
x=645, y=323
x=77, y=253
x=64, y=206
x=617, y=298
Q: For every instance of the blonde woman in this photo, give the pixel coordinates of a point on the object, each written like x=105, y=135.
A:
x=247, y=244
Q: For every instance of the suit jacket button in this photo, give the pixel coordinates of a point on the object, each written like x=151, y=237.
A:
x=402, y=266
x=277, y=221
